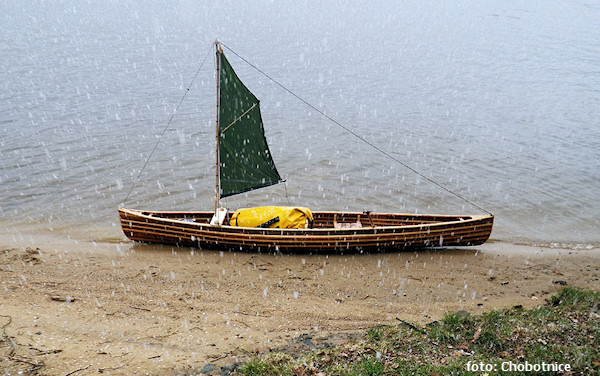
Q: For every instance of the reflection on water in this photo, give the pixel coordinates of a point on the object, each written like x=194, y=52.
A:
x=496, y=103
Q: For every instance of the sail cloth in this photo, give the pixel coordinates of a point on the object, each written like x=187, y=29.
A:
x=245, y=162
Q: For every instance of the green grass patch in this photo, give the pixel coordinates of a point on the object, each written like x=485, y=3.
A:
x=564, y=331
x=257, y=367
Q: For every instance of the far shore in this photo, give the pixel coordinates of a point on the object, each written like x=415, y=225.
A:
x=130, y=308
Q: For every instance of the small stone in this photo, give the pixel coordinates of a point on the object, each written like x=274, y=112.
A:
x=207, y=368
x=65, y=299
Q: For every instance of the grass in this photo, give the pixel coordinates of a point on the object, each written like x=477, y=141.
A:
x=565, y=330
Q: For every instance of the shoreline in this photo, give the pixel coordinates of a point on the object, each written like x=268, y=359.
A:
x=151, y=309
x=105, y=234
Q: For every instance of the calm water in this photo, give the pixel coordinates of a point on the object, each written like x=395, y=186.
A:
x=499, y=101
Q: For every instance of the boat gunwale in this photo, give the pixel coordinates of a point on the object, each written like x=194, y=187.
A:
x=351, y=231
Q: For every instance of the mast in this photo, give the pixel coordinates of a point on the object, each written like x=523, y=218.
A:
x=219, y=51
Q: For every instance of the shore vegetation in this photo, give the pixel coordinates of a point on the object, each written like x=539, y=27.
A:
x=561, y=336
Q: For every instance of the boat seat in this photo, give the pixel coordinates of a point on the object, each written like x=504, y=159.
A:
x=341, y=225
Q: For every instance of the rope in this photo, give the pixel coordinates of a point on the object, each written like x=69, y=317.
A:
x=286, y=193
x=355, y=134
x=167, y=126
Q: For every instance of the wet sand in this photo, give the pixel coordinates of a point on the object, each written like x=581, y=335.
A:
x=122, y=308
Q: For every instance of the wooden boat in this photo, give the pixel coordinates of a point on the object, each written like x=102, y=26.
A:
x=243, y=163
x=380, y=232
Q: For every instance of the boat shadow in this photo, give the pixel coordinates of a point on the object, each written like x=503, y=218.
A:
x=162, y=248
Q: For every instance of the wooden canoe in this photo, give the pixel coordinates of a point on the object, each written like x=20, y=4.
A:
x=380, y=232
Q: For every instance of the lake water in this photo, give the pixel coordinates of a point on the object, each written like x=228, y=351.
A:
x=498, y=101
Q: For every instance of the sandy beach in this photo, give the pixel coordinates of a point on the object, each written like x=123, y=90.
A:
x=124, y=308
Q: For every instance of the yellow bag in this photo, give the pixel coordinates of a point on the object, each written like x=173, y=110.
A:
x=273, y=217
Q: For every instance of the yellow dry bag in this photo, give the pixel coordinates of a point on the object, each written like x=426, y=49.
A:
x=273, y=217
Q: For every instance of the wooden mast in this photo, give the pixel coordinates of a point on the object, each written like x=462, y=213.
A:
x=217, y=190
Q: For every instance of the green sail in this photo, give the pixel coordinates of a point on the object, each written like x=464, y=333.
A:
x=245, y=162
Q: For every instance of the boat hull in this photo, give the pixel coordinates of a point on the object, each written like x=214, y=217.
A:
x=380, y=232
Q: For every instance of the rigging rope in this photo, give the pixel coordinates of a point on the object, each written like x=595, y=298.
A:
x=168, y=124
x=355, y=134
